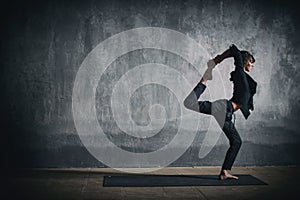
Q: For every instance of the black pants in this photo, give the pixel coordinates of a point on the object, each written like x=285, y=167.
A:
x=222, y=110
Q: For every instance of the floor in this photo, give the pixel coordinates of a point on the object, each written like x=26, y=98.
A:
x=283, y=183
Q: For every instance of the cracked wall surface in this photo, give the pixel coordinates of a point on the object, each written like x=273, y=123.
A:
x=44, y=43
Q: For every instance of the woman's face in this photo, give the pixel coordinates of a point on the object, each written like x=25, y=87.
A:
x=248, y=66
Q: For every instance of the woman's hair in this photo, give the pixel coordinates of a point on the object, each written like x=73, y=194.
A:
x=247, y=56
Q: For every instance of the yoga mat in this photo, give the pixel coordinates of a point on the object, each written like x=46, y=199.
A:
x=177, y=180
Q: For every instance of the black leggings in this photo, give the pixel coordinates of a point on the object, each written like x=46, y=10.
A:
x=222, y=110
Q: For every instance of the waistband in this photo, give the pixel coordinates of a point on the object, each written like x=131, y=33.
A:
x=230, y=112
x=230, y=107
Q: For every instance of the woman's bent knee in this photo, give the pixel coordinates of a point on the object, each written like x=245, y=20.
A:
x=237, y=143
x=187, y=103
x=190, y=104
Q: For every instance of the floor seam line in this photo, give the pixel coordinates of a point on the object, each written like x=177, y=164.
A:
x=201, y=193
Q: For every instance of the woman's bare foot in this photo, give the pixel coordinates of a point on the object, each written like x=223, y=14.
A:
x=208, y=72
x=203, y=81
x=225, y=175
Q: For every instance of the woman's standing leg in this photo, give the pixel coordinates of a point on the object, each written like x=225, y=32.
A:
x=235, y=143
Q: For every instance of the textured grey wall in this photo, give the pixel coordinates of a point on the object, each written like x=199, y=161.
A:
x=44, y=44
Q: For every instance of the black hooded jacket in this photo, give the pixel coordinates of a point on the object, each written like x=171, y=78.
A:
x=244, y=87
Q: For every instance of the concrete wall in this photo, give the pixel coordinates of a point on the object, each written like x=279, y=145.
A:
x=43, y=45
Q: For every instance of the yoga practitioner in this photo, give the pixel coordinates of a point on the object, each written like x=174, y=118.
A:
x=244, y=87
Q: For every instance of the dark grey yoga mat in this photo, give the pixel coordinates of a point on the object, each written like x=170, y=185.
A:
x=177, y=180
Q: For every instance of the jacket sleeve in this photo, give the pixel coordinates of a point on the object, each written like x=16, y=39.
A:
x=238, y=59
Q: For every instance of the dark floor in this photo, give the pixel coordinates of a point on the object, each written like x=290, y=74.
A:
x=283, y=183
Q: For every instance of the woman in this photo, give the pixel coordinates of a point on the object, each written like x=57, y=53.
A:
x=244, y=87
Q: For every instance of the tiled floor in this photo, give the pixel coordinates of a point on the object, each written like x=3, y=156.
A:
x=283, y=183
